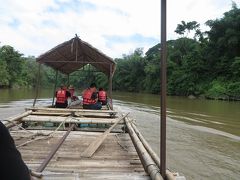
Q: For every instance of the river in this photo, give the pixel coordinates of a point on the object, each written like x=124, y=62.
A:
x=203, y=136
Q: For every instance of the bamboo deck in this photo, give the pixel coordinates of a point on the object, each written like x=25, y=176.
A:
x=111, y=153
x=115, y=159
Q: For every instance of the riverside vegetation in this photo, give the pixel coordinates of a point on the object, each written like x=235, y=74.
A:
x=207, y=64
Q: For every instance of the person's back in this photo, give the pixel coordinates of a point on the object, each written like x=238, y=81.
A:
x=12, y=166
x=90, y=98
x=61, y=97
x=102, y=96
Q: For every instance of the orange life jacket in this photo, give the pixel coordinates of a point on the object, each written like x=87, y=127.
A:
x=102, y=95
x=61, y=96
x=87, y=97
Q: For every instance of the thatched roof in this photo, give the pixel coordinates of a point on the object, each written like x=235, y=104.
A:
x=74, y=54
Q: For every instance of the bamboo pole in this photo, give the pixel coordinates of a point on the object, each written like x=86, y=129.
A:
x=149, y=165
x=54, y=150
x=110, y=87
x=71, y=110
x=51, y=113
x=76, y=58
x=91, y=149
x=163, y=86
x=153, y=155
x=80, y=62
x=35, y=174
x=38, y=82
x=68, y=80
x=16, y=119
x=72, y=120
x=147, y=146
x=82, y=114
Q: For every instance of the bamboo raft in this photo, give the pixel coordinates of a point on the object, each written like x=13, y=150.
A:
x=75, y=143
x=67, y=151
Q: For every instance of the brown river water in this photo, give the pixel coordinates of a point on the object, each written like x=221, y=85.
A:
x=203, y=136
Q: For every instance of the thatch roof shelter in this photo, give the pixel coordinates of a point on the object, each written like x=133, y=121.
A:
x=74, y=54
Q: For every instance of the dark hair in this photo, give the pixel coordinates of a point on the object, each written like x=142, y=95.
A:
x=93, y=85
x=100, y=89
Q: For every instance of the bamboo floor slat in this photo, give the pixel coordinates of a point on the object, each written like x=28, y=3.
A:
x=116, y=158
x=80, y=120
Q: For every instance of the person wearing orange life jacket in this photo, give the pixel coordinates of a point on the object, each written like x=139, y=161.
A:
x=90, y=98
x=102, y=96
x=61, y=97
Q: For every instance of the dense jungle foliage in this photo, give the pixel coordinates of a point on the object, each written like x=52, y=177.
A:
x=206, y=65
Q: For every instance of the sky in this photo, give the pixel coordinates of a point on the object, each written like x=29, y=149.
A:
x=115, y=27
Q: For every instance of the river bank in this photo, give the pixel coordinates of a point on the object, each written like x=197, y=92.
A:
x=202, y=96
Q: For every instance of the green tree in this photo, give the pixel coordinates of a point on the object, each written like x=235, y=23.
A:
x=130, y=73
x=224, y=42
x=183, y=27
x=14, y=62
x=4, y=76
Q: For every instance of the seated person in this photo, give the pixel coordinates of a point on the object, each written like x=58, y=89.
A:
x=62, y=96
x=11, y=166
x=72, y=92
x=102, y=96
x=90, y=98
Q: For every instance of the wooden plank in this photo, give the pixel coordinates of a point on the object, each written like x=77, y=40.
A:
x=71, y=110
x=54, y=150
x=12, y=121
x=79, y=120
x=93, y=176
x=99, y=140
x=112, y=162
x=81, y=114
x=51, y=113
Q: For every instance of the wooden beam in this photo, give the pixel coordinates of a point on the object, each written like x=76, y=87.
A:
x=78, y=120
x=55, y=86
x=12, y=121
x=71, y=110
x=38, y=83
x=76, y=62
x=81, y=114
x=54, y=150
x=99, y=140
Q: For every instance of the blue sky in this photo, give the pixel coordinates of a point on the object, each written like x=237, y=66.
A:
x=115, y=27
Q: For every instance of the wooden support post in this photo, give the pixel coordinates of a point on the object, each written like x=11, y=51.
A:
x=54, y=150
x=110, y=88
x=55, y=86
x=91, y=149
x=38, y=82
x=76, y=58
x=68, y=80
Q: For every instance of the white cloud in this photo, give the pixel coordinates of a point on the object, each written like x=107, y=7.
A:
x=44, y=24
x=190, y=10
